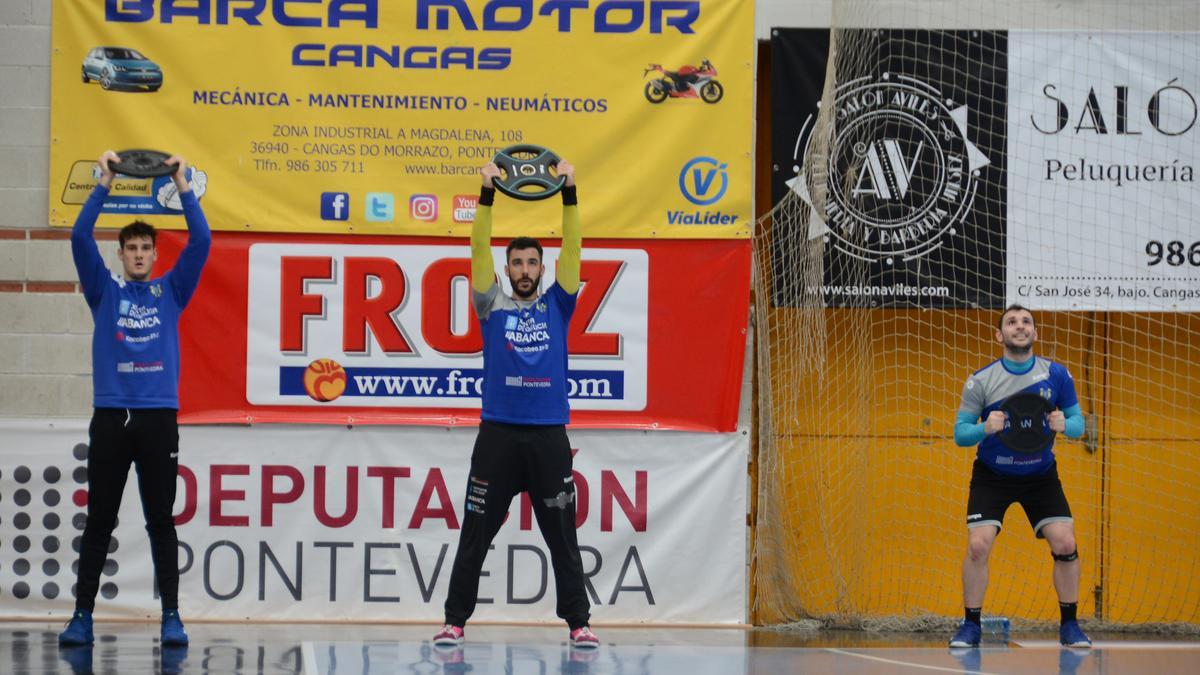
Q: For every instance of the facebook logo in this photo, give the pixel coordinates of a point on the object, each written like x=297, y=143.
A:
x=381, y=207
x=335, y=206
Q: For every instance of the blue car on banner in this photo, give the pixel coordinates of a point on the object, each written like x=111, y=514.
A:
x=121, y=67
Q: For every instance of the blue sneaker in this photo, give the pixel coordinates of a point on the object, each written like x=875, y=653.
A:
x=967, y=636
x=172, y=628
x=969, y=657
x=79, y=630
x=79, y=658
x=173, y=658
x=1069, y=660
x=1071, y=635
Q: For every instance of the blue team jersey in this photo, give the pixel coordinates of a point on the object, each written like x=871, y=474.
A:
x=989, y=387
x=135, y=346
x=525, y=356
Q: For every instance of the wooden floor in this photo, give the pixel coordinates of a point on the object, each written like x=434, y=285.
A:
x=361, y=649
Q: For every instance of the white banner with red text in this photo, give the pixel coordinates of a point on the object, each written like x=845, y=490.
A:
x=324, y=523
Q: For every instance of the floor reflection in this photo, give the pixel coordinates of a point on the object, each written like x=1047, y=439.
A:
x=314, y=649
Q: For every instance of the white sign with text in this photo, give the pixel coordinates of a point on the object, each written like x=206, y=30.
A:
x=1103, y=150
x=290, y=522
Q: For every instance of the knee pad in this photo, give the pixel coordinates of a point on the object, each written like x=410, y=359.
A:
x=1073, y=555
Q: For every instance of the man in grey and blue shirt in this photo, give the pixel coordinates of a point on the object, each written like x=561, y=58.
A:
x=1002, y=475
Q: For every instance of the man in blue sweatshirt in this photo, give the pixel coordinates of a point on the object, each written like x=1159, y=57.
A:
x=135, y=378
x=1002, y=475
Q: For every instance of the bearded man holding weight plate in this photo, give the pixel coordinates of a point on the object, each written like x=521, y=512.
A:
x=522, y=444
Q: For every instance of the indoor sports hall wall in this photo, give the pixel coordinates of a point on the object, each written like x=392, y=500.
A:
x=245, y=558
x=899, y=551
x=46, y=330
x=879, y=488
x=862, y=492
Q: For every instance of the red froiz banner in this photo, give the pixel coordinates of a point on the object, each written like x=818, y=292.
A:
x=362, y=330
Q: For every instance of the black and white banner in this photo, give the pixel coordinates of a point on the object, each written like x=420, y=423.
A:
x=913, y=214
x=1104, y=211
x=978, y=168
x=328, y=523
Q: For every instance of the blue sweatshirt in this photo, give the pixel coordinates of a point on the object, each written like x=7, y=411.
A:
x=135, y=346
x=990, y=386
x=525, y=356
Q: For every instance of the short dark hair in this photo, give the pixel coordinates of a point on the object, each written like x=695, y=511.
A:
x=135, y=230
x=521, y=243
x=1013, y=308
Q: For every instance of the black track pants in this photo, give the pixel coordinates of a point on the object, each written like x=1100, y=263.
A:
x=509, y=459
x=148, y=438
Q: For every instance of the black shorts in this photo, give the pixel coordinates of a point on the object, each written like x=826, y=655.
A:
x=1040, y=495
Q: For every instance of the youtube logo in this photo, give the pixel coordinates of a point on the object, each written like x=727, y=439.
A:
x=464, y=208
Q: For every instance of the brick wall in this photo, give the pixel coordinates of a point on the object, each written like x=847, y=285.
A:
x=45, y=334
x=45, y=329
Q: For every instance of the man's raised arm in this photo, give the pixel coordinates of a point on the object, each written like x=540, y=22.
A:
x=88, y=261
x=569, y=257
x=186, y=273
x=483, y=268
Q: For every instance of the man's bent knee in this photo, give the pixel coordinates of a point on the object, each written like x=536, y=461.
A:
x=979, y=546
x=1061, y=537
x=978, y=551
x=1062, y=547
x=1065, y=557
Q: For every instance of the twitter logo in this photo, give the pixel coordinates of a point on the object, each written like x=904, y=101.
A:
x=380, y=207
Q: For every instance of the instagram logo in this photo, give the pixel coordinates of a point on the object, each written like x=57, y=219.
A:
x=423, y=207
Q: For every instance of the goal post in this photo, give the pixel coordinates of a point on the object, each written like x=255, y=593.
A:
x=933, y=163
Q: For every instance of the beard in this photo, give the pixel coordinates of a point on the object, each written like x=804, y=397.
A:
x=531, y=284
x=1016, y=349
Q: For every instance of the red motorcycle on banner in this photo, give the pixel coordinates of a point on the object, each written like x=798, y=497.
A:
x=687, y=82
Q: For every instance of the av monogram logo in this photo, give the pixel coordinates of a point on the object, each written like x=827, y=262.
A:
x=898, y=168
x=888, y=173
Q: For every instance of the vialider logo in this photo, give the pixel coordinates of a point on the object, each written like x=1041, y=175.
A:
x=901, y=172
x=702, y=181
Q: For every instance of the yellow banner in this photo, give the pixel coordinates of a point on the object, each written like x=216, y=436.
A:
x=374, y=116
